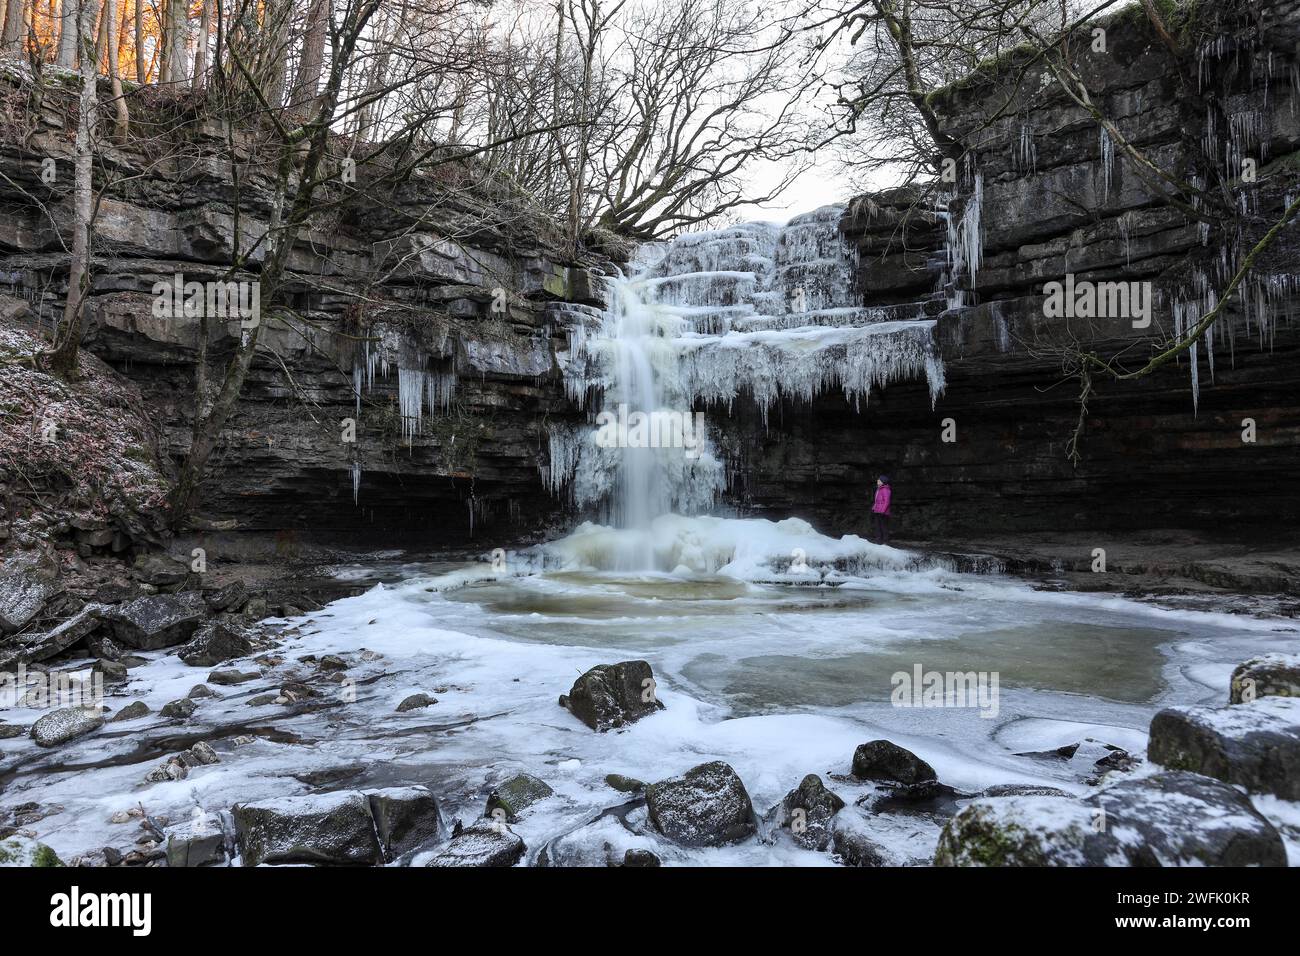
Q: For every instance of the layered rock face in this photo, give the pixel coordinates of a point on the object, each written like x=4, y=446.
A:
x=1041, y=193
x=424, y=316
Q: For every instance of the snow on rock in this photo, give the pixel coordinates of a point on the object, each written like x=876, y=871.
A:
x=1272, y=675
x=613, y=695
x=26, y=584
x=1169, y=819
x=42, y=645
x=1184, y=819
x=84, y=447
x=516, y=795
x=406, y=818
x=806, y=812
x=706, y=806
x=215, y=643
x=334, y=828
x=69, y=723
x=21, y=851
x=1256, y=745
x=158, y=620
x=483, y=844
x=854, y=839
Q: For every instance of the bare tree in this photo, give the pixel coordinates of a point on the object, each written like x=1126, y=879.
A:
x=15, y=25
x=63, y=360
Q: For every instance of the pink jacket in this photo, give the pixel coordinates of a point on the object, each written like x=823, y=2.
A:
x=881, y=505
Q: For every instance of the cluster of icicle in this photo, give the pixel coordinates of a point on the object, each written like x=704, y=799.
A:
x=755, y=312
x=965, y=244
x=418, y=386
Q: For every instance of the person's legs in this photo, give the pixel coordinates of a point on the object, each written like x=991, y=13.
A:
x=882, y=528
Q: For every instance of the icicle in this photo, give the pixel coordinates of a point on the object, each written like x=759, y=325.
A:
x=410, y=400
x=1106, y=151
x=356, y=481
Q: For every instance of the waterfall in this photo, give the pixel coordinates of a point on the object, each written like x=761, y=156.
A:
x=756, y=312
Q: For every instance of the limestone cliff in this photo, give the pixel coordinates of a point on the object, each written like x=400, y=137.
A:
x=1055, y=199
x=424, y=314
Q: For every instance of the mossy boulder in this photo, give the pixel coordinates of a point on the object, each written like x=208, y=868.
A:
x=19, y=851
x=516, y=795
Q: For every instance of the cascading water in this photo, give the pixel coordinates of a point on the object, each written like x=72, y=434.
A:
x=757, y=312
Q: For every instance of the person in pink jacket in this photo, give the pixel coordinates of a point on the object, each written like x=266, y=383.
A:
x=880, y=509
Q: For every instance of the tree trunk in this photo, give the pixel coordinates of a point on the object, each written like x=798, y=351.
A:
x=307, y=82
x=15, y=25
x=67, y=57
x=141, y=72
x=175, y=22
x=63, y=360
x=108, y=41
x=201, y=48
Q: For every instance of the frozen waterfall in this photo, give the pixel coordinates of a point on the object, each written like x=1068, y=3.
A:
x=755, y=312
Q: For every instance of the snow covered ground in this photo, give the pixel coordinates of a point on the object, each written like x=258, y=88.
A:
x=780, y=671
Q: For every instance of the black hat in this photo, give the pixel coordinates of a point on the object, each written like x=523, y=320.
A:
x=885, y=479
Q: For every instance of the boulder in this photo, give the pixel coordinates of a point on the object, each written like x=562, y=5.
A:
x=1256, y=745
x=9, y=731
x=196, y=844
x=613, y=695
x=415, y=702
x=230, y=597
x=483, y=843
x=156, y=621
x=132, y=711
x=406, y=818
x=516, y=795
x=624, y=784
x=1169, y=819
x=178, y=709
x=215, y=643
x=1185, y=819
x=21, y=851
x=852, y=842
x=60, y=726
x=112, y=672
x=27, y=582
x=706, y=806
x=39, y=647
x=232, y=676
x=333, y=828
x=178, y=766
x=1273, y=675
x=885, y=761
x=806, y=812
x=1022, y=790
x=160, y=570
x=636, y=857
